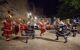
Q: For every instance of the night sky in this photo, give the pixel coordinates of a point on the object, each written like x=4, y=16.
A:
x=49, y=6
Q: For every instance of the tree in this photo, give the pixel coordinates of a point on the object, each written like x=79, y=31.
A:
x=69, y=8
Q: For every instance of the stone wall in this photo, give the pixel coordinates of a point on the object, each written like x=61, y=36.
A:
x=18, y=7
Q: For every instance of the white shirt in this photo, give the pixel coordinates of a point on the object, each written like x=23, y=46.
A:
x=62, y=23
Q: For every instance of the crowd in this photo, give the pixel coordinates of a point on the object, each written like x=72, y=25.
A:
x=15, y=26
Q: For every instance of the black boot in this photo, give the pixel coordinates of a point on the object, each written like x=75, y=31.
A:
x=57, y=38
x=65, y=39
x=27, y=39
x=74, y=34
x=33, y=36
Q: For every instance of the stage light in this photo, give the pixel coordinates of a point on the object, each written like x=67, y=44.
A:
x=29, y=14
x=36, y=17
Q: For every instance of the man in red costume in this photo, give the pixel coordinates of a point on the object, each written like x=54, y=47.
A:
x=23, y=27
x=7, y=25
x=42, y=27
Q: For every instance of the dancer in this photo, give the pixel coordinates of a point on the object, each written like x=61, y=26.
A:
x=23, y=27
x=62, y=30
x=7, y=25
x=16, y=28
x=42, y=26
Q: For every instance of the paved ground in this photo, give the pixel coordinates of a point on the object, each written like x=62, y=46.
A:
x=45, y=42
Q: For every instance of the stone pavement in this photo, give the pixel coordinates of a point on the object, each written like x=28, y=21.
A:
x=45, y=42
